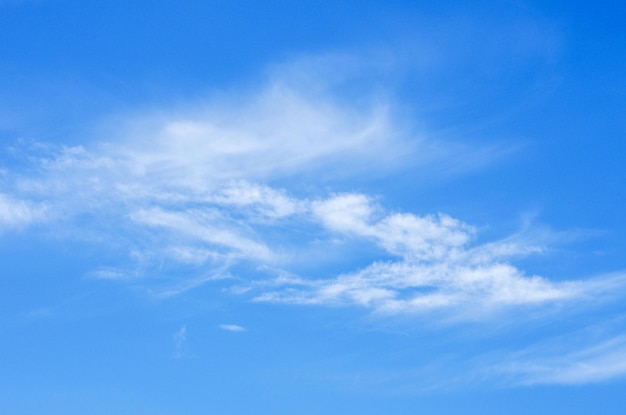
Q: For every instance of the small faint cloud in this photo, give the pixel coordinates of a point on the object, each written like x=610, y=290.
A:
x=232, y=327
x=571, y=361
x=109, y=274
x=180, y=338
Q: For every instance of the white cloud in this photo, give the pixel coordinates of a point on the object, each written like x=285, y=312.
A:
x=269, y=202
x=16, y=213
x=276, y=132
x=109, y=274
x=400, y=287
x=201, y=225
x=345, y=213
x=402, y=234
x=232, y=327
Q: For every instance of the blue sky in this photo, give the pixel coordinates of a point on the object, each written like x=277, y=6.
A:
x=342, y=207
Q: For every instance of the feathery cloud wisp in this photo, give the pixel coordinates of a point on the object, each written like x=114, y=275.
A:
x=567, y=361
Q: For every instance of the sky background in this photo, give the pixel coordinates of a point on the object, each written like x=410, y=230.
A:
x=342, y=207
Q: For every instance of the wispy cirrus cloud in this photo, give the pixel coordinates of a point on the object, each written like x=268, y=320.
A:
x=280, y=130
x=593, y=354
x=209, y=186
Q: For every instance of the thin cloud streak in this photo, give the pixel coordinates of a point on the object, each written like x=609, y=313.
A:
x=568, y=361
x=232, y=327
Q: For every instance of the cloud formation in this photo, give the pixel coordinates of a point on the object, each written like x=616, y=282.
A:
x=434, y=267
x=197, y=188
